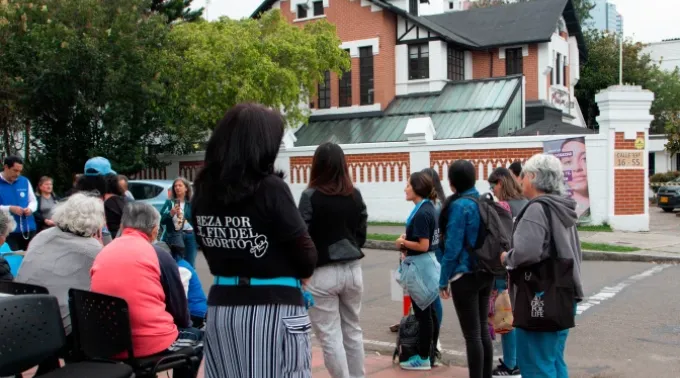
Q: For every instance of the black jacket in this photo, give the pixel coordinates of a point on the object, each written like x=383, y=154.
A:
x=330, y=219
x=5, y=271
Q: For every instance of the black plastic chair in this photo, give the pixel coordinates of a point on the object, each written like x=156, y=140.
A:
x=19, y=288
x=101, y=326
x=32, y=332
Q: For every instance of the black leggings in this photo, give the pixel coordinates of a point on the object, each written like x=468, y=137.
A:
x=428, y=331
x=471, y=298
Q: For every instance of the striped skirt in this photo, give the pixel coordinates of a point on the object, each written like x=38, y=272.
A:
x=264, y=341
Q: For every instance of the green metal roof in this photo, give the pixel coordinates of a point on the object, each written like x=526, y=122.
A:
x=460, y=110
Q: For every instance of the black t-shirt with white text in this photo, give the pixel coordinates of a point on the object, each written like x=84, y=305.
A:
x=255, y=238
x=423, y=226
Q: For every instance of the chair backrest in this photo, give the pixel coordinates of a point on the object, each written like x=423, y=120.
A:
x=31, y=331
x=101, y=325
x=20, y=288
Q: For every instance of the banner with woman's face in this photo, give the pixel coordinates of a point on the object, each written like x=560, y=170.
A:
x=572, y=154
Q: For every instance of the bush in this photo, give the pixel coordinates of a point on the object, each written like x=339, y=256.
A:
x=664, y=177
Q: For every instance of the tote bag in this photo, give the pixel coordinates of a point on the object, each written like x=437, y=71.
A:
x=544, y=299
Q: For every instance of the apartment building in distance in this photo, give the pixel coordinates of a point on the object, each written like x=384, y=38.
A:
x=605, y=17
x=470, y=72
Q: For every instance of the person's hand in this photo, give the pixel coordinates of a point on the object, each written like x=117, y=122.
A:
x=503, y=256
x=305, y=282
x=403, y=236
x=399, y=243
x=445, y=292
x=16, y=210
x=27, y=211
x=173, y=211
x=49, y=222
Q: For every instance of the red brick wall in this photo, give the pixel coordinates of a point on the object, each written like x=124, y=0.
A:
x=481, y=66
x=495, y=157
x=356, y=22
x=629, y=184
x=389, y=166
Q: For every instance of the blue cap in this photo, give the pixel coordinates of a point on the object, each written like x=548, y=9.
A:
x=98, y=166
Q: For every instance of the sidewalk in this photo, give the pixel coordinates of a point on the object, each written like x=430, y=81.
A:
x=657, y=243
x=376, y=366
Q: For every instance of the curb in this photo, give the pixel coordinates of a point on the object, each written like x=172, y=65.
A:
x=447, y=359
x=587, y=255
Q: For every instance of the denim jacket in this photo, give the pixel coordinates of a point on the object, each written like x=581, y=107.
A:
x=420, y=277
x=461, y=230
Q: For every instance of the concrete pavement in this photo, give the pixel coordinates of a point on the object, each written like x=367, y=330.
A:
x=376, y=365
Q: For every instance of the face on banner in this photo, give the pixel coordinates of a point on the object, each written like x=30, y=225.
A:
x=572, y=154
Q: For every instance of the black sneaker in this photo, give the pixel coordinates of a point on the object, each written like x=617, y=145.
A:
x=503, y=371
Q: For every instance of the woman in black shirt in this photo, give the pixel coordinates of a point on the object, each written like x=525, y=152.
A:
x=336, y=216
x=257, y=247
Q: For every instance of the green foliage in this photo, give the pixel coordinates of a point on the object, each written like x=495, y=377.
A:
x=602, y=71
x=86, y=75
x=583, y=8
x=215, y=65
x=177, y=10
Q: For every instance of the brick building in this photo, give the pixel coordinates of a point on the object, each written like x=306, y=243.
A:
x=475, y=72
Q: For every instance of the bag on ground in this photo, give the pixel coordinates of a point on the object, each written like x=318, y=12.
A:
x=407, y=338
x=495, y=232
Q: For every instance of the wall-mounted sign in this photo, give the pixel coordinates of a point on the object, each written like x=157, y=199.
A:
x=640, y=143
x=629, y=159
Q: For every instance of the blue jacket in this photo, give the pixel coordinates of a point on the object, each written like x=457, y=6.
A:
x=198, y=305
x=419, y=277
x=461, y=230
x=16, y=194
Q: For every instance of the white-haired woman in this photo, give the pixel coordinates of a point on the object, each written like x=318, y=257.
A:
x=547, y=222
x=60, y=257
x=8, y=268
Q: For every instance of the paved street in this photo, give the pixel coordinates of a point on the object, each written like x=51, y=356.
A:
x=631, y=327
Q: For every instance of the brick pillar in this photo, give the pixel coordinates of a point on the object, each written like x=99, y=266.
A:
x=625, y=118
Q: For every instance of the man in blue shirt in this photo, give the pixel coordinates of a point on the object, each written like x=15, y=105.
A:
x=17, y=198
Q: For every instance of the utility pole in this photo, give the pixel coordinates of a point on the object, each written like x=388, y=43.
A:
x=621, y=58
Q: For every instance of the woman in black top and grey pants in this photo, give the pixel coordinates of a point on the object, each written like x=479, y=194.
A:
x=257, y=247
x=336, y=216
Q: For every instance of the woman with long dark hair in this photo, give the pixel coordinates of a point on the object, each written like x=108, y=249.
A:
x=336, y=217
x=419, y=268
x=460, y=223
x=438, y=308
x=257, y=247
x=506, y=189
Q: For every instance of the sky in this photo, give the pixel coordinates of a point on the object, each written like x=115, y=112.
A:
x=643, y=20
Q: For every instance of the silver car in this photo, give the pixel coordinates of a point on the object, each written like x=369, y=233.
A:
x=153, y=192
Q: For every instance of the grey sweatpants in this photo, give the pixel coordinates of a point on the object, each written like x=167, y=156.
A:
x=337, y=291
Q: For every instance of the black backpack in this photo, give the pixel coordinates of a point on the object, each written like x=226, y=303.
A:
x=495, y=233
x=408, y=338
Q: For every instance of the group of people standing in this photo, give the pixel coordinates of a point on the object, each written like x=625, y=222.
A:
x=282, y=270
x=438, y=253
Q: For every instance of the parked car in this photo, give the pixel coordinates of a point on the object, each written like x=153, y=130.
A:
x=153, y=192
x=669, y=196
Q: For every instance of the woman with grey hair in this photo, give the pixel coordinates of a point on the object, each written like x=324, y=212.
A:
x=7, y=269
x=176, y=218
x=545, y=227
x=60, y=257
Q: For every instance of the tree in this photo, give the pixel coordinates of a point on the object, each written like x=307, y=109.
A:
x=216, y=65
x=86, y=76
x=177, y=10
x=602, y=70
